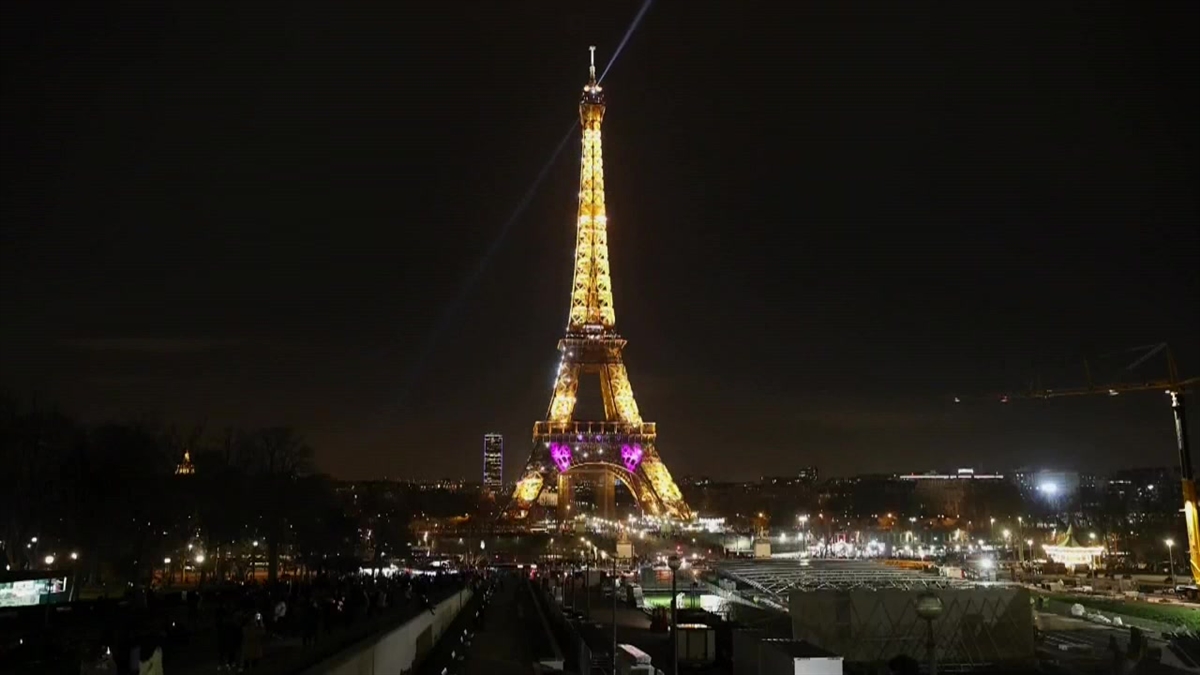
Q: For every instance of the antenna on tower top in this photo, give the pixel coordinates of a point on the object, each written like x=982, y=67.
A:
x=592, y=68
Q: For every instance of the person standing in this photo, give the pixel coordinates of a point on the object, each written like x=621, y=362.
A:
x=252, y=642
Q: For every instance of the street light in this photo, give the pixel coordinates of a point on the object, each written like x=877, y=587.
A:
x=49, y=560
x=1171, y=552
x=613, y=582
x=929, y=607
x=674, y=563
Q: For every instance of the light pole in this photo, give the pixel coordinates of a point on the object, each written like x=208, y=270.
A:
x=674, y=563
x=570, y=574
x=929, y=607
x=1171, y=552
x=1020, y=531
x=613, y=582
x=587, y=589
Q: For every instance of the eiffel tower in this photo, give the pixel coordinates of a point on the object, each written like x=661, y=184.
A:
x=623, y=445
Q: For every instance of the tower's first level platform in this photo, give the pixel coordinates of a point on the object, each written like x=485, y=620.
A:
x=593, y=432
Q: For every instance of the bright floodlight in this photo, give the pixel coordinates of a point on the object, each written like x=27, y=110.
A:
x=1050, y=488
x=1170, y=543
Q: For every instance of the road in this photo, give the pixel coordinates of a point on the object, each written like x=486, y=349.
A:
x=504, y=641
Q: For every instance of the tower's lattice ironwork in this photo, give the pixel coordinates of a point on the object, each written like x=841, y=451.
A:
x=623, y=445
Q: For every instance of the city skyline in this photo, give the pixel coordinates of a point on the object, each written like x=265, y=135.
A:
x=814, y=251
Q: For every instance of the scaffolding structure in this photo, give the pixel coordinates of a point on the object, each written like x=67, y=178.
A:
x=775, y=578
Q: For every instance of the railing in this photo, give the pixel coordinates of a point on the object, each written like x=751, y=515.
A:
x=546, y=429
x=574, y=649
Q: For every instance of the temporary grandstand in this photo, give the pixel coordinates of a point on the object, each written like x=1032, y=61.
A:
x=770, y=581
x=867, y=613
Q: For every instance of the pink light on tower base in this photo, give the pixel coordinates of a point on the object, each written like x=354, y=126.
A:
x=632, y=456
x=561, y=454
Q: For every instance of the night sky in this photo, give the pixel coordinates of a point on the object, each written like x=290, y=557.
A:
x=826, y=219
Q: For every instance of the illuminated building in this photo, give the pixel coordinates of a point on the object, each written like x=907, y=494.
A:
x=1047, y=484
x=949, y=493
x=493, y=462
x=185, y=467
x=623, y=445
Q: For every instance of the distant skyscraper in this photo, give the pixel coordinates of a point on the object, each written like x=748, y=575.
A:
x=493, y=462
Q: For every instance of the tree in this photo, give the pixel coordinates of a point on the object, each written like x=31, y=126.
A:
x=35, y=445
x=324, y=532
x=383, y=515
x=276, y=457
x=121, y=498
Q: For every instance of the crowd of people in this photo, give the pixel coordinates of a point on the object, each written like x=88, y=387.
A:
x=178, y=629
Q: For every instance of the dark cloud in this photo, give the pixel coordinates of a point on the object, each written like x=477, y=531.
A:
x=151, y=345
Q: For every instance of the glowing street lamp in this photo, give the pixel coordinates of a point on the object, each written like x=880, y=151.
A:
x=674, y=563
x=929, y=607
x=49, y=560
x=1171, y=552
x=199, y=558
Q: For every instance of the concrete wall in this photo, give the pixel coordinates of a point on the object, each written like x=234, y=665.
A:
x=395, y=652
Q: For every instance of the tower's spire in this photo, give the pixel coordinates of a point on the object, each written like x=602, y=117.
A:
x=591, y=292
x=592, y=68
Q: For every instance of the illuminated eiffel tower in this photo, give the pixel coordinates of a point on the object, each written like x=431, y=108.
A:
x=622, y=446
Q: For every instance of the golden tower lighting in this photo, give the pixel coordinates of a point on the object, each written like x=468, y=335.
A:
x=623, y=444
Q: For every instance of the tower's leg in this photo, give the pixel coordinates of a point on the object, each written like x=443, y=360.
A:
x=619, y=402
x=566, y=383
x=663, y=485
x=566, y=498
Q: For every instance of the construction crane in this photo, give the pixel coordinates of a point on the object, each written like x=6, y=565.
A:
x=1175, y=387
